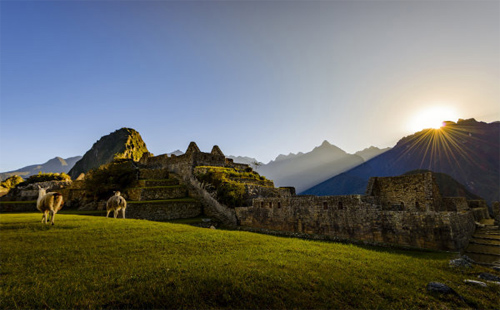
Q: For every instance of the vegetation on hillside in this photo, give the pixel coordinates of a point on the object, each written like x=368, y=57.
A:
x=11, y=182
x=45, y=177
x=229, y=192
x=96, y=262
x=229, y=183
x=235, y=174
x=117, y=175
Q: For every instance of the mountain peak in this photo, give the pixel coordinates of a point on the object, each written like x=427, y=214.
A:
x=122, y=143
x=371, y=152
x=57, y=161
x=328, y=147
x=448, y=150
x=326, y=143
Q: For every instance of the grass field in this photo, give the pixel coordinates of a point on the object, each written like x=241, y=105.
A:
x=94, y=262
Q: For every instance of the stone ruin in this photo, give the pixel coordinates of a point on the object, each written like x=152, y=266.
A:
x=405, y=211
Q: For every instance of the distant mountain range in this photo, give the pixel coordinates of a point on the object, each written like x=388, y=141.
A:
x=245, y=160
x=301, y=170
x=467, y=150
x=304, y=170
x=55, y=165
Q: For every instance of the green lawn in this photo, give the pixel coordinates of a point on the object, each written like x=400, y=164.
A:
x=94, y=262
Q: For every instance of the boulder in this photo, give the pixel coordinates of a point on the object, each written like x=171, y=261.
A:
x=437, y=287
x=489, y=277
x=460, y=262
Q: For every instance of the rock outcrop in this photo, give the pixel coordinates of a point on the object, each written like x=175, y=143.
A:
x=125, y=143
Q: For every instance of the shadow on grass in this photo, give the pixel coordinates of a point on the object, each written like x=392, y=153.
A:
x=409, y=251
x=34, y=226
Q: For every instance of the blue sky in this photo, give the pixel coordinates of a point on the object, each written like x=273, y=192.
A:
x=257, y=78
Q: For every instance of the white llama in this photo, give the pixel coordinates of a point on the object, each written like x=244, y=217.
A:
x=48, y=204
x=116, y=203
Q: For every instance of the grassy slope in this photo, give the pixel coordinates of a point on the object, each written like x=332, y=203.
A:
x=88, y=261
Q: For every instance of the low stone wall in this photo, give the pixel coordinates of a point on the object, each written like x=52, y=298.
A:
x=455, y=204
x=30, y=192
x=495, y=206
x=153, y=173
x=157, y=193
x=355, y=218
x=162, y=211
x=480, y=213
x=18, y=206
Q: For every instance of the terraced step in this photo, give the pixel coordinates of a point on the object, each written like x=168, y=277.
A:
x=158, y=182
x=158, y=192
x=489, y=222
x=162, y=210
x=489, y=230
x=486, y=236
x=148, y=174
x=484, y=249
x=18, y=206
x=487, y=259
x=494, y=242
x=484, y=246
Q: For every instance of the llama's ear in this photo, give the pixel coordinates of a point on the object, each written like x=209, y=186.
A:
x=39, y=187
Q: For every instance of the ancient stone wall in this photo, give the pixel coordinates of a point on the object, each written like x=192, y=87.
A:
x=163, y=211
x=496, y=211
x=407, y=193
x=455, y=204
x=18, y=206
x=184, y=164
x=153, y=174
x=406, y=211
x=355, y=218
x=156, y=193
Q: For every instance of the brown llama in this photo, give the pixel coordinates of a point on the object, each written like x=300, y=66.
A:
x=48, y=204
x=115, y=204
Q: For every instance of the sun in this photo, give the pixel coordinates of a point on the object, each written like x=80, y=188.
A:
x=432, y=118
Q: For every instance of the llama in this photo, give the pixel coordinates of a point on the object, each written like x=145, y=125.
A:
x=48, y=204
x=116, y=203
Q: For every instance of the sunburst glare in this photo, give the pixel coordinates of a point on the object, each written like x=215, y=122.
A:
x=440, y=149
x=432, y=118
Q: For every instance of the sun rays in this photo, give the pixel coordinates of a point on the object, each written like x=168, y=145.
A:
x=447, y=146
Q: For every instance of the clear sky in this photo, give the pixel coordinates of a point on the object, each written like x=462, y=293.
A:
x=257, y=78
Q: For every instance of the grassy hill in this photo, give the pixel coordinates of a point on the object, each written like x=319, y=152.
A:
x=94, y=262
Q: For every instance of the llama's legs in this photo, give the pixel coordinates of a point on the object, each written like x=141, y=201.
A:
x=108, y=213
x=52, y=215
x=123, y=210
x=43, y=217
x=116, y=213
